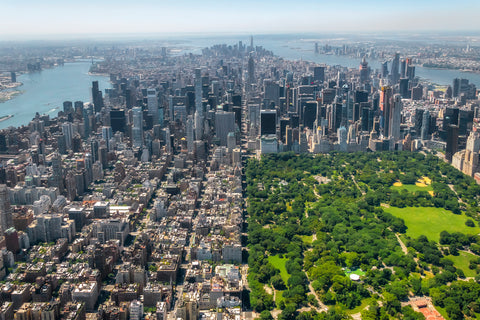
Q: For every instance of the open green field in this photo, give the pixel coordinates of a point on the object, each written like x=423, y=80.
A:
x=279, y=263
x=307, y=239
x=430, y=221
x=462, y=261
x=358, y=272
x=279, y=297
x=412, y=188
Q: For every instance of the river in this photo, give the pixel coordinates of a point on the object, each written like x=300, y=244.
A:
x=44, y=92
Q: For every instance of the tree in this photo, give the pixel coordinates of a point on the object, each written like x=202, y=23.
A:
x=266, y=315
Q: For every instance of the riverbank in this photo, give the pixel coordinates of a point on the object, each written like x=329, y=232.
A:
x=8, y=95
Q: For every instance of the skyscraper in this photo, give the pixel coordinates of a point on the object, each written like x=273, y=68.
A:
x=67, y=131
x=107, y=135
x=224, y=123
x=5, y=210
x=190, y=137
x=386, y=95
x=319, y=74
x=137, y=129
x=364, y=72
x=395, y=74
x=97, y=98
x=152, y=105
x=452, y=142
x=395, y=117
x=425, y=125
x=268, y=122
x=251, y=70
x=198, y=105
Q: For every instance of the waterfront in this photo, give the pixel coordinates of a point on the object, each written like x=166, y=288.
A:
x=45, y=91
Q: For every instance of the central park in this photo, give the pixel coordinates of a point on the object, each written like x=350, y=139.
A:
x=362, y=235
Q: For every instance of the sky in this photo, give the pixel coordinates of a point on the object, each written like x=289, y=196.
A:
x=33, y=18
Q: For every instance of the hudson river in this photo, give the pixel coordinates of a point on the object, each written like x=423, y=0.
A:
x=44, y=92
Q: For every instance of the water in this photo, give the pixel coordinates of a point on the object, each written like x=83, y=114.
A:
x=44, y=92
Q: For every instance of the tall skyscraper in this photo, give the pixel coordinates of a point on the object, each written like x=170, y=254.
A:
x=364, y=71
x=6, y=220
x=67, y=131
x=452, y=142
x=251, y=70
x=425, y=125
x=198, y=105
x=97, y=98
x=385, y=70
x=190, y=137
x=386, y=95
x=107, y=135
x=395, y=74
x=395, y=117
x=137, y=129
x=152, y=105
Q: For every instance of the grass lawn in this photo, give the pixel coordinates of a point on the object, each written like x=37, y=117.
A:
x=279, y=263
x=412, y=188
x=430, y=221
x=462, y=261
x=359, y=272
x=307, y=239
x=365, y=303
x=278, y=297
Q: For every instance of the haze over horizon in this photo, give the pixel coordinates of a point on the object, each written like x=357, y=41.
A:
x=33, y=19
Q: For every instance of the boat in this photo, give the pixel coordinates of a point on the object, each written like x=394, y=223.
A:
x=3, y=118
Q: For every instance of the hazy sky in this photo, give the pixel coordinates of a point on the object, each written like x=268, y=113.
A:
x=63, y=17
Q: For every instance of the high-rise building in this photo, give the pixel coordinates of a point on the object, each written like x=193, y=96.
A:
x=190, y=133
x=67, y=131
x=319, y=74
x=251, y=71
x=395, y=74
x=97, y=98
x=199, y=118
x=224, y=123
x=118, y=120
x=137, y=129
x=268, y=122
x=395, y=117
x=107, y=135
x=364, y=71
x=452, y=142
x=6, y=220
x=385, y=69
x=386, y=95
x=152, y=105
x=425, y=125
x=68, y=107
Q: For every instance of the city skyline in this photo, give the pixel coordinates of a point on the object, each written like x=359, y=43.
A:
x=122, y=17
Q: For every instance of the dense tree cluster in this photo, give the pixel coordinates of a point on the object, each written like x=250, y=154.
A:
x=336, y=200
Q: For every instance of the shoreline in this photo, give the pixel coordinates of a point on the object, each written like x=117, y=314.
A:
x=9, y=95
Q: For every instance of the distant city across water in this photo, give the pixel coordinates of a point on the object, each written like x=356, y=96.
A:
x=45, y=91
x=296, y=47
